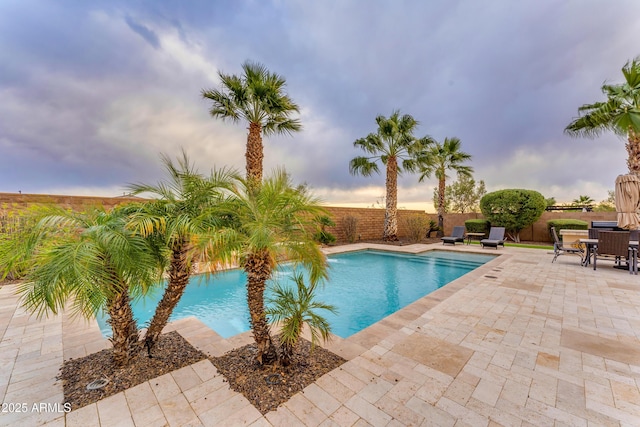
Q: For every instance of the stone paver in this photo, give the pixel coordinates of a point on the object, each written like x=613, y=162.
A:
x=519, y=341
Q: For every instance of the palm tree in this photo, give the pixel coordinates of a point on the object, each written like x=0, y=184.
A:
x=274, y=223
x=393, y=142
x=436, y=160
x=89, y=260
x=182, y=222
x=583, y=200
x=620, y=113
x=257, y=97
x=295, y=308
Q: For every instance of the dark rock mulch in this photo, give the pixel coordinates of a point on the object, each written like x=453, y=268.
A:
x=170, y=353
x=267, y=387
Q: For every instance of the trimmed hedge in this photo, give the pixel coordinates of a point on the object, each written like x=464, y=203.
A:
x=477, y=226
x=567, y=224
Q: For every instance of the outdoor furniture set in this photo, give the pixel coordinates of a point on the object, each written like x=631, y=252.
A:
x=602, y=243
x=495, y=239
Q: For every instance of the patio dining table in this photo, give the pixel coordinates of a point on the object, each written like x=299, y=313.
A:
x=591, y=243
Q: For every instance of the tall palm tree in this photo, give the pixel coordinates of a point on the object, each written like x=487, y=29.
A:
x=620, y=113
x=181, y=221
x=274, y=223
x=294, y=308
x=89, y=260
x=392, y=143
x=437, y=160
x=258, y=97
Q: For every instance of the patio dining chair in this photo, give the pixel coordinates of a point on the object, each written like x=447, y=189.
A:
x=614, y=245
x=495, y=239
x=559, y=248
x=457, y=235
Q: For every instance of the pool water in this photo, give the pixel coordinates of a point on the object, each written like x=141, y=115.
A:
x=364, y=286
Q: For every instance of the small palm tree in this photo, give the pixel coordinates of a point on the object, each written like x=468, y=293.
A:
x=273, y=223
x=392, y=143
x=90, y=260
x=436, y=160
x=181, y=222
x=620, y=113
x=294, y=308
x=257, y=97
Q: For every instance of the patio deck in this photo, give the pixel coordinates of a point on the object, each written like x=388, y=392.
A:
x=517, y=342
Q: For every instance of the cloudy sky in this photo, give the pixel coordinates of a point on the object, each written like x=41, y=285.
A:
x=92, y=92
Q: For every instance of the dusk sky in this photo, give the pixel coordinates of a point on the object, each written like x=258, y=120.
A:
x=91, y=92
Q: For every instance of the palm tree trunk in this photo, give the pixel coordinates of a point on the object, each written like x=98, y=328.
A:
x=633, y=149
x=287, y=353
x=441, y=189
x=258, y=267
x=179, y=273
x=124, y=329
x=391, y=212
x=254, y=153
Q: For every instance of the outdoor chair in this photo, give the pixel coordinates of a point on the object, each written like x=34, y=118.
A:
x=457, y=235
x=615, y=245
x=559, y=248
x=495, y=239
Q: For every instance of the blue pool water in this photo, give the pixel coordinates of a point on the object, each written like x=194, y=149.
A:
x=364, y=286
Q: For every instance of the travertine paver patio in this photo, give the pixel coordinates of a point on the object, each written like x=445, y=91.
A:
x=517, y=342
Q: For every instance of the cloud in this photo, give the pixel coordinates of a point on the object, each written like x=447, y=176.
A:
x=93, y=92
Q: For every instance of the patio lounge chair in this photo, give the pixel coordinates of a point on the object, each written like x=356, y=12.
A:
x=559, y=248
x=614, y=244
x=457, y=235
x=496, y=238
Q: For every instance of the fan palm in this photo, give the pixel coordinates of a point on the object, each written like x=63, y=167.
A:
x=181, y=221
x=583, y=200
x=437, y=160
x=257, y=97
x=620, y=113
x=294, y=308
x=91, y=261
x=274, y=223
x=392, y=143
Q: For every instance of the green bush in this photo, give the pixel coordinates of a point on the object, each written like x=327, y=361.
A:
x=567, y=224
x=477, y=226
x=433, y=226
x=513, y=209
x=322, y=235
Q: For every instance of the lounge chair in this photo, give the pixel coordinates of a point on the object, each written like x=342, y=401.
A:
x=559, y=248
x=495, y=239
x=615, y=244
x=457, y=235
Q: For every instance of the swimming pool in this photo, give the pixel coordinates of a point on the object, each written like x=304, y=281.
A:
x=365, y=287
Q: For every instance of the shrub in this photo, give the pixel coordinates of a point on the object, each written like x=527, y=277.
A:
x=322, y=235
x=567, y=224
x=477, y=226
x=416, y=226
x=513, y=209
x=350, y=226
x=433, y=226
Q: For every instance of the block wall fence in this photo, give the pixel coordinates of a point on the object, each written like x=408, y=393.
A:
x=370, y=220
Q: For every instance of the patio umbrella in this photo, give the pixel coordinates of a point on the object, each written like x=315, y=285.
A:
x=627, y=198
